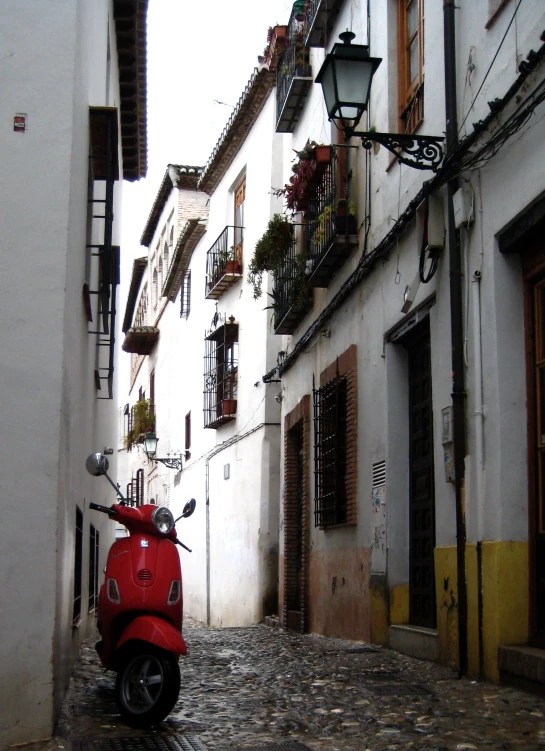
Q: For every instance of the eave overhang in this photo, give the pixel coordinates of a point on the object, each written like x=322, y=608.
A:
x=130, y=18
x=138, y=268
x=190, y=235
x=176, y=175
x=246, y=112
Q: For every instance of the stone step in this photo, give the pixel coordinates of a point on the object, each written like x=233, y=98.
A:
x=415, y=641
x=522, y=666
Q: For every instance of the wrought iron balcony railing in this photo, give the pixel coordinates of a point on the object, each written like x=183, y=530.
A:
x=320, y=15
x=224, y=262
x=293, y=77
x=291, y=295
x=331, y=228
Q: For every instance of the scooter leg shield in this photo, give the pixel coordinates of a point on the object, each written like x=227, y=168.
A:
x=156, y=631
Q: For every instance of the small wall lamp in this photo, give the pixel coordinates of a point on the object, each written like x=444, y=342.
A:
x=150, y=447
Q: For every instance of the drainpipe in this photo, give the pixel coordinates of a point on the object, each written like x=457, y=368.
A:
x=457, y=334
x=479, y=453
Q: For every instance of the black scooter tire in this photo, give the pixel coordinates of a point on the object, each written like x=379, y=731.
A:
x=147, y=685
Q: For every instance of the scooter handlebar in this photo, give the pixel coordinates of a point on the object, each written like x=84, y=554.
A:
x=104, y=509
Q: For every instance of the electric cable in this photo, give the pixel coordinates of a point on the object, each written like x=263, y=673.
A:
x=490, y=66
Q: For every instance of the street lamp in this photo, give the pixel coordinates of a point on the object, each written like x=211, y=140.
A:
x=346, y=76
x=150, y=447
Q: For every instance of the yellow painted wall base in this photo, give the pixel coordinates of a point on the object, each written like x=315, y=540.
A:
x=378, y=606
x=399, y=604
x=505, y=606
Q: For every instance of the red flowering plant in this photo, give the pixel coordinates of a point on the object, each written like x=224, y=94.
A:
x=296, y=190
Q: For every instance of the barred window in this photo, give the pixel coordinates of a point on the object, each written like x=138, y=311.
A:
x=330, y=445
x=78, y=561
x=221, y=374
x=94, y=541
x=185, y=296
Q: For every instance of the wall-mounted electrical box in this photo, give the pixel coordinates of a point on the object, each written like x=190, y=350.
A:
x=462, y=202
x=436, y=222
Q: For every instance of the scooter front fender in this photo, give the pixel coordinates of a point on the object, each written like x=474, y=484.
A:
x=156, y=631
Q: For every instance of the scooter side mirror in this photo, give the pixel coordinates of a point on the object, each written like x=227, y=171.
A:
x=97, y=465
x=189, y=508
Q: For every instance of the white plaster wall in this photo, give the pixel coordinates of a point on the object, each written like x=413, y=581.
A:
x=508, y=184
x=53, y=69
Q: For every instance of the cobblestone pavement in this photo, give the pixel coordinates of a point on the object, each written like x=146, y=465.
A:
x=244, y=687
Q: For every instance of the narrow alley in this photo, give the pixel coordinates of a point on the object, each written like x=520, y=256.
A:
x=266, y=688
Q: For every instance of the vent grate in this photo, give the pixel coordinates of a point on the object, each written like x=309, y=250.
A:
x=140, y=743
x=379, y=474
x=144, y=575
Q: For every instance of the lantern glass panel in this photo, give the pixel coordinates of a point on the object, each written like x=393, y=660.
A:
x=353, y=79
x=328, y=87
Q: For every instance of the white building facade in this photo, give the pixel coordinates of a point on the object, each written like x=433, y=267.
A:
x=415, y=516
x=198, y=354
x=74, y=125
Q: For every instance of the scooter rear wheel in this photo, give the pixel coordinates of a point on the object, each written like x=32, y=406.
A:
x=147, y=685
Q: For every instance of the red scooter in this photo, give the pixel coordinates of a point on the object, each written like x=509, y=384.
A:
x=140, y=607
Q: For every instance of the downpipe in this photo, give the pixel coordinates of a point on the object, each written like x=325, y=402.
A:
x=457, y=335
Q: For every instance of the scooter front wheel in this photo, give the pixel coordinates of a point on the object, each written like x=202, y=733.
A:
x=147, y=685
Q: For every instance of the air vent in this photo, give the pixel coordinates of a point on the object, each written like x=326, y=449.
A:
x=379, y=474
x=144, y=575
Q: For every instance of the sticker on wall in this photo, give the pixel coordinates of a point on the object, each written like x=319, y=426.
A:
x=20, y=122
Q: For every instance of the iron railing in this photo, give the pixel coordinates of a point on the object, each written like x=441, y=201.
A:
x=331, y=217
x=224, y=261
x=293, y=77
x=330, y=427
x=220, y=373
x=319, y=17
x=138, y=423
x=291, y=296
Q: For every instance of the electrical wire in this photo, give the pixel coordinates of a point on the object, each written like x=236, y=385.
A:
x=490, y=66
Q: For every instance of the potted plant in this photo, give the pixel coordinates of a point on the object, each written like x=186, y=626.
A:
x=143, y=420
x=345, y=217
x=270, y=251
x=277, y=38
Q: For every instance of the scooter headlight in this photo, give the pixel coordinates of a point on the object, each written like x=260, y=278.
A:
x=162, y=520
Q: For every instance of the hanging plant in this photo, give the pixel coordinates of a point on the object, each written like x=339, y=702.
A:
x=270, y=251
x=143, y=420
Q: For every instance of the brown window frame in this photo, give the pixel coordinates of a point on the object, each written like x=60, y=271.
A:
x=238, y=218
x=410, y=93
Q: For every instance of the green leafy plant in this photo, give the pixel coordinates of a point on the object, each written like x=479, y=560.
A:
x=270, y=251
x=143, y=420
x=295, y=190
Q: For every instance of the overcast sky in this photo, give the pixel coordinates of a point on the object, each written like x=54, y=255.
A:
x=200, y=52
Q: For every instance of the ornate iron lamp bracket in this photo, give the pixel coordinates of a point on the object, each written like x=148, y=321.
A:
x=420, y=152
x=172, y=462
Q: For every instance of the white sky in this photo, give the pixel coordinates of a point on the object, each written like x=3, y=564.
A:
x=198, y=51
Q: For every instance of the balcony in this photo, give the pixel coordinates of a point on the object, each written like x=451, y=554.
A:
x=293, y=78
x=320, y=15
x=140, y=420
x=292, y=298
x=224, y=262
x=331, y=227
x=140, y=340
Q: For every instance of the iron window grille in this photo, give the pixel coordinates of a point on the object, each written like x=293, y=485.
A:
x=293, y=77
x=330, y=429
x=221, y=373
x=94, y=540
x=78, y=562
x=291, y=296
x=331, y=224
x=185, y=295
x=224, y=262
